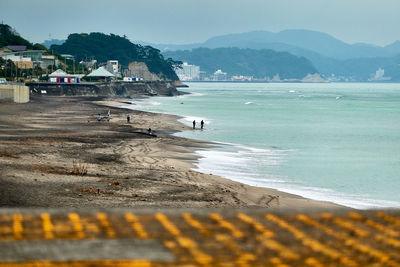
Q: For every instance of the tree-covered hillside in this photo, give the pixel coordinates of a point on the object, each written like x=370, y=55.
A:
x=249, y=62
x=8, y=36
x=106, y=47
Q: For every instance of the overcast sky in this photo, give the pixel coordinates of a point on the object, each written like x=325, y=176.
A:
x=187, y=21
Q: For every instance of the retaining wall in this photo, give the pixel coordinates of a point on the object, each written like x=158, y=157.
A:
x=106, y=89
x=14, y=93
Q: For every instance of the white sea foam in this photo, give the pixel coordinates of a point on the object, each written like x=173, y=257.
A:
x=189, y=120
x=263, y=167
x=241, y=163
x=190, y=95
x=248, y=103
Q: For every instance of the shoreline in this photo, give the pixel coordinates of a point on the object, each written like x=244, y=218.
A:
x=209, y=145
x=45, y=143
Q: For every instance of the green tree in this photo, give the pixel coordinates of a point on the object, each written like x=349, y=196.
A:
x=105, y=47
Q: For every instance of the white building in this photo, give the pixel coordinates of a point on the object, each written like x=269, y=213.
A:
x=113, y=67
x=188, y=72
x=380, y=76
x=60, y=76
x=219, y=75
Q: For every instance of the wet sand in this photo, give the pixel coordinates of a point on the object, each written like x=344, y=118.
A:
x=54, y=153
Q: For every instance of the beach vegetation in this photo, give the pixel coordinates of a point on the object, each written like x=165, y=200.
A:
x=79, y=168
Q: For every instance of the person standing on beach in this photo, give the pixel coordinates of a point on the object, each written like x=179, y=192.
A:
x=194, y=124
x=99, y=117
x=202, y=124
x=128, y=118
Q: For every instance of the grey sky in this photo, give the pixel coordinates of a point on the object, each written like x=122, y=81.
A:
x=187, y=21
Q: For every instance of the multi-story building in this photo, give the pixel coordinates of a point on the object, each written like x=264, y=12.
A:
x=48, y=60
x=188, y=72
x=27, y=59
x=219, y=75
x=113, y=67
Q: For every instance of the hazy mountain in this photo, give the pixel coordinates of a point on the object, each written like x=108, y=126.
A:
x=328, y=54
x=49, y=43
x=321, y=43
x=248, y=62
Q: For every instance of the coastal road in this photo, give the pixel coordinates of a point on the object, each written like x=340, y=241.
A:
x=123, y=237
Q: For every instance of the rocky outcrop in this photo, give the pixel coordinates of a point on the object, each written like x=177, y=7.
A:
x=140, y=70
x=148, y=88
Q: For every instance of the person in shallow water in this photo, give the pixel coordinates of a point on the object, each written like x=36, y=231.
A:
x=194, y=124
x=128, y=118
x=202, y=124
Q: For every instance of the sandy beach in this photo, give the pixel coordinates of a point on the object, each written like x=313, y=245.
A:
x=54, y=153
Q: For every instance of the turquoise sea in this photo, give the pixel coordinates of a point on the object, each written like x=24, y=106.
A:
x=338, y=142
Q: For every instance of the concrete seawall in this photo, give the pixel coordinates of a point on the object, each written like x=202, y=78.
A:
x=165, y=88
x=14, y=93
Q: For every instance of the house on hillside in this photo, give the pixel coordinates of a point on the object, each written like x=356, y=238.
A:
x=27, y=59
x=17, y=48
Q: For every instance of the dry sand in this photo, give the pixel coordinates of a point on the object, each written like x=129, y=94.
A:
x=48, y=145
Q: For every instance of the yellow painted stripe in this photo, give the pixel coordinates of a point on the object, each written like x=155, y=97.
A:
x=258, y=226
x=311, y=243
x=346, y=224
x=373, y=224
x=349, y=225
x=389, y=218
x=242, y=256
x=47, y=226
x=136, y=225
x=106, y=263
x=349, y=241
x=185, y=242
x=102, y=217
x=227, y=225
x=266, y=238
x=167, y=224
x=76, y=224
x=277, y=262
x=196, y=224
x=17, y=226
x=313, y=262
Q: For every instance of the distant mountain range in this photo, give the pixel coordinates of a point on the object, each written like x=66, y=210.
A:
x=333, y=58
x=249, y=62
x=293, y=41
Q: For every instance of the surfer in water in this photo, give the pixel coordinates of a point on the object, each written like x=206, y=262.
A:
x=194, y=124
x=202, y=124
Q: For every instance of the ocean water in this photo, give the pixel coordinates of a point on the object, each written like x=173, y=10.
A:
x=337, y=142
